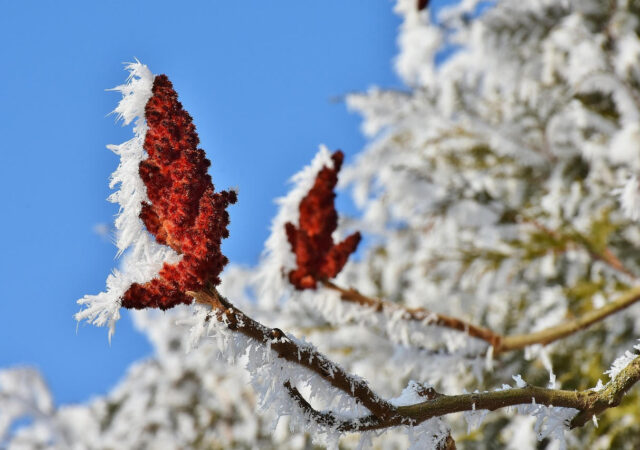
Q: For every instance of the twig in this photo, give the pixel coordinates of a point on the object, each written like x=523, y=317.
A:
x=500, y=343
x=606, y=256
x=417, y=314
x=551, y=334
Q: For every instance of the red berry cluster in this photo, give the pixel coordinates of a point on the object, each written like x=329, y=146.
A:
x=184, y=211
x=317, y=256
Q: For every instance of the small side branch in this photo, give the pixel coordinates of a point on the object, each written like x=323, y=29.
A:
x=368, y=422
x=417, y=314
x=588, y=403
x=500, y=343
x=322, y=418
x=570, y=327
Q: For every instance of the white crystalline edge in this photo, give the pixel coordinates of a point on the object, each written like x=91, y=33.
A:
x=474, y=418
x=551, y=421
x=622, y=362
x=277, y=258
x=268, y=373
x=145, y=256
x=409, y=395
x=520, y=383
x=429, y=434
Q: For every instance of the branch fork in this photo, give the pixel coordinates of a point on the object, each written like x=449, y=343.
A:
x=384, y=414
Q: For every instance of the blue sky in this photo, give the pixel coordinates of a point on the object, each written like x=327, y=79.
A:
x=258, y=78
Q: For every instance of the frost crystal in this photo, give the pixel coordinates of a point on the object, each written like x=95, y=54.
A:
x=430, y=434
x=474, y=418
x=551, y=421
x=412, y=394
x=519, y=381
x=622, y=362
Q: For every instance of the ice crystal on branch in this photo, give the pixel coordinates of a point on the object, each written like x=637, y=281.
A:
x=317, y=256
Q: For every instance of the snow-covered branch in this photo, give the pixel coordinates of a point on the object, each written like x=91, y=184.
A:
x=290, y=350
x=384, y=414
x=500, y=343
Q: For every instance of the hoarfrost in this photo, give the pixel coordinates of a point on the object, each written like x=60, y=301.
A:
x=551, y=421
x=622, y=362
x=144, y=257
x=277, y=258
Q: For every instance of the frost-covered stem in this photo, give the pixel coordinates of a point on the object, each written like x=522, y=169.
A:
x=385, y=415
x=565, y=329
x=611, y=395
x=369, y=422
x=323, y=418
x=499, y=342
x=305, y=356
x=416, y=314
x=588, y=402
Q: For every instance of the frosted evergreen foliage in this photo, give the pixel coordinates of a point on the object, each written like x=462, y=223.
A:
x=500, y=187
x=23, y=393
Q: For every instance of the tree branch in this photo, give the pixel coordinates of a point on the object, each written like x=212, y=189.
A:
x=587, y=402
x=289, y=350
x=384, y=414
x=565, y=329
x=417, y=314
x=611, y=395
x=499, y=342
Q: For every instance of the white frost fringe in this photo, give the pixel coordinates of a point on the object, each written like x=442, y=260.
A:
x=269, y=372
x=622, y=362
x=277, y=258
x=145, y=256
